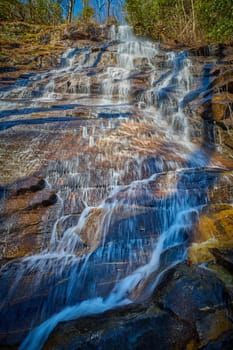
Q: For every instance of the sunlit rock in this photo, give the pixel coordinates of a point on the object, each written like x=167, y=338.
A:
x=214, y=229
x=191, y=294
x=222, y=105
x=115, y=181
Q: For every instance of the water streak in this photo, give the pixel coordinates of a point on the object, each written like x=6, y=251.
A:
x=130, y=212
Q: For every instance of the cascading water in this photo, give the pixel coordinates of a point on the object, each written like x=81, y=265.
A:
x=137, y=219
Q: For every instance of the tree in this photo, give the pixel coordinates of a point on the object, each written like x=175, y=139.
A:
x=118, y=10
x=109, y=5
x=88, y=11
x=56, y=12
x=99, y=5
x=107, y=8
x=12, y=10
x=31, y=11
x=183, y=20
x=70, y=10
x=43, y=11
x=215, y=18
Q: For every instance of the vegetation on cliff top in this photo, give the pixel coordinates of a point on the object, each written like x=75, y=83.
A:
x=188, y=21
x=58, y=11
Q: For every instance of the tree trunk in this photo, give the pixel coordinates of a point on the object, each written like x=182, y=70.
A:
x=108, y=8
x=70, y=11
x=99, y=5
x=194, y=20
x=31, y=11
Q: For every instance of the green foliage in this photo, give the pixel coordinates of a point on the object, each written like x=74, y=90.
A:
x=44, y=11
x=31, y=11
x=11, y=10
x=88, y=12
x=151, y=17
x=182, y=20
x=216, y=18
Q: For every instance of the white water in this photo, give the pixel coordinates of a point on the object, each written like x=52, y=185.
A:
x=142, y=224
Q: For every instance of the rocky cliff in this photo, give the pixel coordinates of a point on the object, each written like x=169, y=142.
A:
x=116, y=195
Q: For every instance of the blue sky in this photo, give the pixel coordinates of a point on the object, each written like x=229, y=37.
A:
x=78, y=7
x=115, y=8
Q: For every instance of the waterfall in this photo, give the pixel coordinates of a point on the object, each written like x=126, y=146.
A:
x=130, y=213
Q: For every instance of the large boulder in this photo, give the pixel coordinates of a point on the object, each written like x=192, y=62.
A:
x=190, y=309
x=198, y=297
x=135, y=330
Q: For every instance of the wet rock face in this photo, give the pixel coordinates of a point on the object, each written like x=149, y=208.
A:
x=92, y=32
x=26, y=202
x=215, y=103
x=193, y=295
x=190, y=308
x=196, y=296
x=222, y=109
x=213, y=228
x=132, y=332
x=98, y=162
x=224, y=257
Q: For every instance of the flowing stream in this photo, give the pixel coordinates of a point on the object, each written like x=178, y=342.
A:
x=137, y=212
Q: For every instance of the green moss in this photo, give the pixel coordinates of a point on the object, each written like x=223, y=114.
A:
x=222, y=273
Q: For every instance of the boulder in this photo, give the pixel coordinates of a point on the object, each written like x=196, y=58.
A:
x=224, y=256
x=198, y=297
x=189, y=309
x=133, y=331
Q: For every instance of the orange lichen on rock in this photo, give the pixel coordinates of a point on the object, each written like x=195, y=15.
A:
x=214, y=229
x=90, y=233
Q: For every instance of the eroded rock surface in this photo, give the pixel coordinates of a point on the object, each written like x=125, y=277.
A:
x=113, y=164
x=190, y=309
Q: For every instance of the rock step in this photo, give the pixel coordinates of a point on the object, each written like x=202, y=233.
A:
x=27, y=203
x=198, y=319
x=224, y=257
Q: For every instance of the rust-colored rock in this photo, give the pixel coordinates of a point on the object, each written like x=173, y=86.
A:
x=26, y=206
x=61, y=157
x=224, y=81
x=214, y=229
x=222, y=107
